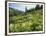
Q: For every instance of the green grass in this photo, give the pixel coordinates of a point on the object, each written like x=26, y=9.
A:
x=26, y=23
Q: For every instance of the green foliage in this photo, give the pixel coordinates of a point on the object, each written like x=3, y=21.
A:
x=37, y=7
x=12, y=12
x=41, y=6
x=30, y=10
x=26, y=23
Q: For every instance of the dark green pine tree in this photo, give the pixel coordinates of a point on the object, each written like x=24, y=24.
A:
x=25, y=9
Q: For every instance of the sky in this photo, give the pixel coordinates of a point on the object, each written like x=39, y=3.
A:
x=21, y=6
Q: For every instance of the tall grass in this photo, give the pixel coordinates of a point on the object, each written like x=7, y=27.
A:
x=25, y=23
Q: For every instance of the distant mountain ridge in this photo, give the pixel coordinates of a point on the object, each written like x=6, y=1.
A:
x=16, y=11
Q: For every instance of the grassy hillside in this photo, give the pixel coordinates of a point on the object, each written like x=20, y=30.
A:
x=26, y=23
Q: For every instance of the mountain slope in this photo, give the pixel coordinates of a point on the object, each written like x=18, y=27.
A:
x=15, y=12
x=27, y=23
